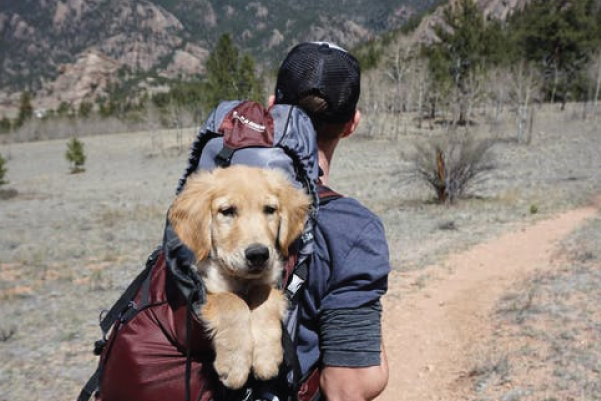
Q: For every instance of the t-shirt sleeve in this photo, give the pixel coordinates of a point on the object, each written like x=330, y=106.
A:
x=350, y=313
x=359, y=274
x=351, y=337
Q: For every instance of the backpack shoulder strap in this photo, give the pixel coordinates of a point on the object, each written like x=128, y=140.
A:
x=297, y=272
x=327, y=194
x=123, y=305
x=130, y=293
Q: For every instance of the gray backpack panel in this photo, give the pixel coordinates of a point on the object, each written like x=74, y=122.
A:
x=294, y=148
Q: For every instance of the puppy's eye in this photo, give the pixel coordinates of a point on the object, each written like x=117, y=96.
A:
x=270, y=209
x=228, y=211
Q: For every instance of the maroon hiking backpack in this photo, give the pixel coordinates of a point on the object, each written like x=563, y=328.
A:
x=154, y=347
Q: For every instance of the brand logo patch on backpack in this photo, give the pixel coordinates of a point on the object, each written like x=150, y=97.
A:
x=248, y=124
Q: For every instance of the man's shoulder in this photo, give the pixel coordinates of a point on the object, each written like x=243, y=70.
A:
x=346, y=208
x=351, y=243
x=347, y=221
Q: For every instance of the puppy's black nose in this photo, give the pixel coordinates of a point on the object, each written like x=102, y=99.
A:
x=256, y=255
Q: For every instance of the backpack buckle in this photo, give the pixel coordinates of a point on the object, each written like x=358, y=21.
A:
x=129, y=312
x=307, y=237
x=224, y=157
x=99, y=345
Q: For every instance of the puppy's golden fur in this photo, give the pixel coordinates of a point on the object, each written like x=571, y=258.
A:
x=239, y=222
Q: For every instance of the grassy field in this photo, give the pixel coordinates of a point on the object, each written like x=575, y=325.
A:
x=70, y=243
x=547, y=330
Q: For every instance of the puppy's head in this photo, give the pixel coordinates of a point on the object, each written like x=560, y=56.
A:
x=242, y=218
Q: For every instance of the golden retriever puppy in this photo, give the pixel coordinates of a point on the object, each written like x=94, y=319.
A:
x=239, y=222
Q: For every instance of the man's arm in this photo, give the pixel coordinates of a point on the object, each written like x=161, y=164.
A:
x=354, y=365
x=354, y=384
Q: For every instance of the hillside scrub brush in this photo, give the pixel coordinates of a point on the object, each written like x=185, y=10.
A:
x=452, y=164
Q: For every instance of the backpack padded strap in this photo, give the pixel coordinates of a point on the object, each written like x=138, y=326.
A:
x=91, y=386
x=326, y=194
x=142, y=281
x=296, y=273
x=130, y=293
x=290, y=356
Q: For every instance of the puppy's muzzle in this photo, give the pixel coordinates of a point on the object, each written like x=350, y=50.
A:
x=256, y=256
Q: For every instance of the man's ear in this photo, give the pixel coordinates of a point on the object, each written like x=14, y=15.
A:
x=270, y=101
x=352, y=125
x=190, y=215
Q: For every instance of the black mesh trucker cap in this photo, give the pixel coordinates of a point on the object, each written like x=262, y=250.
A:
x=323, y=69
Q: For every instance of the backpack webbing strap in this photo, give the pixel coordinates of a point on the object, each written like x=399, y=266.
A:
x=128, y=295
x=327, y=194
x=300, y=272
x=91, y=386
x=296, y=281
x=224, y=157
x=291, y=358
x=122, y=304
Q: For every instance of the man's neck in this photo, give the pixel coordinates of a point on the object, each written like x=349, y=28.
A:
x=324, y=165
x=326, y=153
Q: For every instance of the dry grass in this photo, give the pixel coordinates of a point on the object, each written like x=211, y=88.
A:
x=548, y=330
x=69, y=244
x=37, y=129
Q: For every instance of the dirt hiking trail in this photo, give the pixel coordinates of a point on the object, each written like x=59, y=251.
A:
x=432, y=333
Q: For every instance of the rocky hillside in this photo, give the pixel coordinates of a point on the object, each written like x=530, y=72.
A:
x=173, y=37
x=501, y=8
x=492, y=9
x=88, y=77
x=39, y=37
x=69, y=50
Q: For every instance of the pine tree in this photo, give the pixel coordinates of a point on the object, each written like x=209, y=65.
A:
x=3, y=171
x=5, y=125
x=560, y=37
x=25, y=109
x=76, y=155
x=230, y=76
x=461, y=51
x=64, y=109
x=250, y=85
x=222, y=72
x=85, y=109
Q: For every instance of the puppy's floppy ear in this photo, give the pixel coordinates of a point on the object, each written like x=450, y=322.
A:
x=190, y=215
x=293, y=210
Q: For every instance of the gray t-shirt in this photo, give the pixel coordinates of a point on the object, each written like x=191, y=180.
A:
x=340, y=310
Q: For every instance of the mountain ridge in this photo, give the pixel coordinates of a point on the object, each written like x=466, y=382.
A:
x=38, y=36
x=69, y=50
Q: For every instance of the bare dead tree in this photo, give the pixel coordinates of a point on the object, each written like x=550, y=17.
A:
x=594, y=73
x=152, y=127
x=525, y=85
x=499, y=79
x=399, y=67
x=421, y=84
x=177, y=123
x=372, y=104
x=474, y=93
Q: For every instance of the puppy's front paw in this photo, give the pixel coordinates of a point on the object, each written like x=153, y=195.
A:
x=267, y=336
x=267, y=359
x=228, y=319
x=233, y=371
